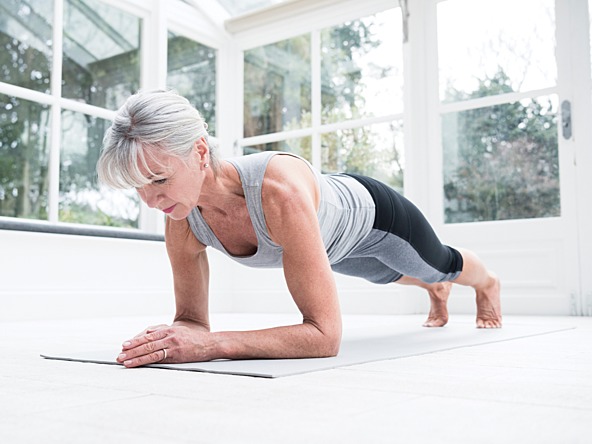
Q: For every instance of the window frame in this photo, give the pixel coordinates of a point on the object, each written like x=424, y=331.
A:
x=253, y=31
x=156, y=20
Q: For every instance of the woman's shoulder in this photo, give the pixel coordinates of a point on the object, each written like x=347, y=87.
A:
x=290, y=167
x=264, y=157
x=179, y=236
x=288, y=179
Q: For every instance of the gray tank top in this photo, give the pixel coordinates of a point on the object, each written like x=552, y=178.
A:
x=346, y=213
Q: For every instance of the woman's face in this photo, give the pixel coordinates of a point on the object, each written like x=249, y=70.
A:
x=175, y=185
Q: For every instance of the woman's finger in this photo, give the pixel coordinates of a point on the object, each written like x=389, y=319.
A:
x=151, y=358
x=144, y=349
x=142, y=339
x=150, y=330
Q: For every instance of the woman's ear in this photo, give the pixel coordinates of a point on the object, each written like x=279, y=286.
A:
x=202, y=150
x=201, y=146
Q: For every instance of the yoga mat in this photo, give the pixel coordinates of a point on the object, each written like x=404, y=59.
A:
x=363, y=345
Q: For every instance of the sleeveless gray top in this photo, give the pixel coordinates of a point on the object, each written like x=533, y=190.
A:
x=346, y=213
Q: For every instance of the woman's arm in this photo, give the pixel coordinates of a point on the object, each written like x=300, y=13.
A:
x=290, y=201
x=190, y=269
x=191, y=274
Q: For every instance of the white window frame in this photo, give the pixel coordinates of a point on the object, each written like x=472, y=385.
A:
x=156, y=18
x=292, y=19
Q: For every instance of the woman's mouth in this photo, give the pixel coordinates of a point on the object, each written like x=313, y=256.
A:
x=169, y=209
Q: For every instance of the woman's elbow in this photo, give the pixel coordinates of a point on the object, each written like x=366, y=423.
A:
x=331, y=344
x=324, y=339
x=333, y=349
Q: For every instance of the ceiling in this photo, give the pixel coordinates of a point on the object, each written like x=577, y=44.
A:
x=235, y=8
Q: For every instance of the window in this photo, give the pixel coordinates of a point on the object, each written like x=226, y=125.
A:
x=191, y=71
x=81, y=200
x=26, y=39
x=277, y=87
x=24, y=158
x=499, y=110
x=100, y=67
x=101, y=53
x=349, y=118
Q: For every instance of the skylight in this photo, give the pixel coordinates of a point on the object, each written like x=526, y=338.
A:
x=240, y=7
x=236, y=7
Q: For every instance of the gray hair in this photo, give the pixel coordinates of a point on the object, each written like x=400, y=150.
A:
x=149, y=122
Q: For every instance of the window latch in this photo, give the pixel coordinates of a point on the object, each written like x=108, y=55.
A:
x=405, y=18
x=566, y=119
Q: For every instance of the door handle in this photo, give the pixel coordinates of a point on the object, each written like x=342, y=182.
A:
x=566, y=119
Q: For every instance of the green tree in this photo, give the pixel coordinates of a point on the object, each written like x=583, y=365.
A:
x=24, y=158
x=500, y=162
x=25, y=60
x=340, y=75
x=191, y=70
x=277, y=86
x=277, y=98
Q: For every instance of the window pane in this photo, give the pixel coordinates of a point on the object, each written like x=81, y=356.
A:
x=513, y=42
x=81, y=200
x=192, y=73
x=277, y=87
x=101, y=53
x=362, y=68
x=301, y=147
x=375, y=151
x=236, y=7
x=501, y=162
x=26, y=42
x=24, y=158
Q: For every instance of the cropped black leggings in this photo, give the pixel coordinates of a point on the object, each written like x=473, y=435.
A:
x=401, y=243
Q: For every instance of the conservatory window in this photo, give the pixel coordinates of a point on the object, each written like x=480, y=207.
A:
x=499, y=105
x=60, y=89
x=349, y=117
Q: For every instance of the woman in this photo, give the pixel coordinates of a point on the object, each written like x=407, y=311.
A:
x=271, y=210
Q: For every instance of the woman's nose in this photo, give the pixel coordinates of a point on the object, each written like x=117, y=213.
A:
x=149, y=196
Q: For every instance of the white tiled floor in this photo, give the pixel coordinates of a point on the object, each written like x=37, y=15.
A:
x=531, y=390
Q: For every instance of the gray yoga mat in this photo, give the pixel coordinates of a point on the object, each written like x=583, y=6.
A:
x=361, y=346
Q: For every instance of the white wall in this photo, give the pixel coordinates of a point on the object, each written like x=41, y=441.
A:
x=51, y=276
x=65, y=276
x=265, y=291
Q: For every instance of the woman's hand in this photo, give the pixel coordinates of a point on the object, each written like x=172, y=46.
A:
x=183, y=342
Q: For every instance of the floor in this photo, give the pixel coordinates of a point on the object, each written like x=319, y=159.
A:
x=530, y=390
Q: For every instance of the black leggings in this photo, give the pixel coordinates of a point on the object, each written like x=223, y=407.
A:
x=401, y=243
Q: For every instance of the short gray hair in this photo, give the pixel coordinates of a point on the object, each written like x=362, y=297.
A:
x=149, y=122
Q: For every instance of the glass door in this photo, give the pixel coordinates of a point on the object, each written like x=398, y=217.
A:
x=506, y=170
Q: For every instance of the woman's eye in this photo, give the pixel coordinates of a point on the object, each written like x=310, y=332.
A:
x=159, y=181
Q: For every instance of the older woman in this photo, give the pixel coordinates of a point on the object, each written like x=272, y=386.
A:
x=271, y=210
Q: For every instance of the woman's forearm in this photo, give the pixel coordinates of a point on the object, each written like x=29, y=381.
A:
x=295, y=341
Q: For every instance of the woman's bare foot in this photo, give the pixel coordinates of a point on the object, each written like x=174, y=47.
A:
x=489, y=307
x=439, y=293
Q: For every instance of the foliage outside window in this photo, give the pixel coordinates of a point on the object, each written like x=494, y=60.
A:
x=26, y=42
x=277, y=87
x=81, y=199
x=101, y=53
x=501, y=160
x=373, y=151
x=361, y=90
x=361, y=68
x=24, y=158
x=191, y=71
x=100, y=59
x=300, y=147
